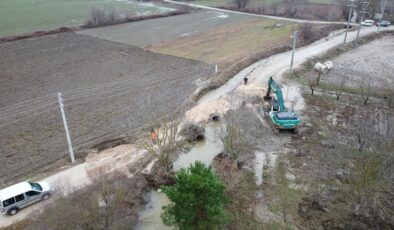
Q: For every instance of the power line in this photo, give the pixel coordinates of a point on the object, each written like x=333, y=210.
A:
x=34, y=115
x=84, y=91
x=29, y=110
x=115, y=95
x=123, y=87
x=25, y=103
x=111, y=84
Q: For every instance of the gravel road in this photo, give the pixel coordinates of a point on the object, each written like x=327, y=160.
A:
x=68, y=180
x=251, y=14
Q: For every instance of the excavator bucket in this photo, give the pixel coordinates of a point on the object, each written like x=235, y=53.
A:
x=267, y=98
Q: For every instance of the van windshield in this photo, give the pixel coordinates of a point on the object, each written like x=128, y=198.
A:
x=35, y=186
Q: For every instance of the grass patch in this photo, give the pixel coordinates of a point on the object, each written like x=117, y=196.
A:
x=286, y=199
x=27, y=16
x=241, y=191
x=321, y=1
x=212, y=2
x=228, y=44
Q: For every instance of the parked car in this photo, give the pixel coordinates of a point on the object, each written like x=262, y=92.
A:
x=383, y=24
x=367, y=23
x=21, y=195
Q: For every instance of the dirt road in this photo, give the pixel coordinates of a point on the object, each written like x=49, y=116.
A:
x=258, y=74
x=253, y=15
x=217, y=100
x=65, y=182
x=147, y=32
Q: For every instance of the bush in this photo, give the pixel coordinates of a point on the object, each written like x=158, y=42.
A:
x=198, y=200
x=241, y=3
x=102, y=17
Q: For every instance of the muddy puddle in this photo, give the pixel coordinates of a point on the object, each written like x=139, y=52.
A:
x=149, y=218
x=293, y=97
x=205, y=152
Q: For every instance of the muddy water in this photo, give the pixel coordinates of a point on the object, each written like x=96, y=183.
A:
x=263, y=159
x=259, y=164
x=293, y=98
x=149, y=218
x=205, y=152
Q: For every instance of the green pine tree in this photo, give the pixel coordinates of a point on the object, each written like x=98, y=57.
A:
x=198, y=199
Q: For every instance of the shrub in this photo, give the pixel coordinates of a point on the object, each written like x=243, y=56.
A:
x=102, y=17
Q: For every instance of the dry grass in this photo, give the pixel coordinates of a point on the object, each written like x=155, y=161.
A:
x=227, y=44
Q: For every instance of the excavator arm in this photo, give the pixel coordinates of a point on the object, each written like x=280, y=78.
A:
x=279, y=96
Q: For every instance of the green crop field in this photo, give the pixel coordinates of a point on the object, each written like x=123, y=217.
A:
x=230, y=2
x=26, y=16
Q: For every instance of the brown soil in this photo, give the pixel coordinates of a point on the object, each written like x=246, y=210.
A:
x=109, y=90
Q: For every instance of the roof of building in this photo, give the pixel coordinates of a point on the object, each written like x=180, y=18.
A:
x=14, y=190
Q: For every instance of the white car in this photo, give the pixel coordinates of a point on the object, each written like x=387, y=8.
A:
x=367, y=23
x=23, y=194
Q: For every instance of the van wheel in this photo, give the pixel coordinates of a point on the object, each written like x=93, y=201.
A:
x=13, y=211
x=46, y=197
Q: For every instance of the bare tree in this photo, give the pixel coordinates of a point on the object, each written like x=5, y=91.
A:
x=371, y=128
x=295, y=7
x=240, y=3
x=102, y=17
x=365, y=88
x=274, y=6
x=240, y=130
x=340, y=87
x=161, y=142
x=312, y=82
x=306, y=32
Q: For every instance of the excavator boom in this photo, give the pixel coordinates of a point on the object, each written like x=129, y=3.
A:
x=279, y=96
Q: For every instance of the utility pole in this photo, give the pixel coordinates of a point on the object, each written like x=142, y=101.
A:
x=382, y=9
x=70, y=147
x=348, y=20
x=294, y=46
x=364, y=10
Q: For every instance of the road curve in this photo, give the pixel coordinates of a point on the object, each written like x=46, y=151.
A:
x=255, y=15
x=258, y=73
x=216, y=101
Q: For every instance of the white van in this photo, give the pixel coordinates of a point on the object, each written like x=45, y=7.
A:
x=367, y=23
x=21, y=195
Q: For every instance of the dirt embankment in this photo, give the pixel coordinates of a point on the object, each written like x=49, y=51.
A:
x=109, y=90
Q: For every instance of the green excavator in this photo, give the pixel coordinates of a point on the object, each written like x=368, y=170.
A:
x=280, y=117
